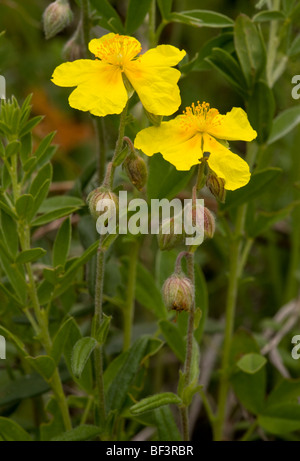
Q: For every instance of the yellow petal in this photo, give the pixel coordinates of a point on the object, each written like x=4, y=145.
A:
x=76, y=72
x=102, y=93
x=232, y=126
x=232, y=168
x=178, y=144
x=94, y=44
x=163, y=55
x=156, y=87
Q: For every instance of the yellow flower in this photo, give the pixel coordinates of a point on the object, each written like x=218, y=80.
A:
x=100, y=85
x=183, y=141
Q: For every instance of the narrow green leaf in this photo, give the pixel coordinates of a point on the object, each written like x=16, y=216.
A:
x=52, y=215
x=60, y=339
x=80, y=433
x=201, y=18
x=12, y=432
x=280, y=419
x=166, y=426
x=81, y=353
x=285, y=122
x=136, y=13
x=31, y=255
x=44, y=174
x=10, y=233
x=165, y=7
x=62, y=243
x=28, y=126
x=155, y=401
x=261, y=108
x=12, y=148
x=266, y=16
x=102, y=332
x=24, y=206
x=148, y=294
x=295, y=47
x=249, y=48
x=174, y=338
x=109, y=16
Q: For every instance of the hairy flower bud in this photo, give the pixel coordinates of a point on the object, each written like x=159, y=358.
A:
x=216, y=186
x=73, y=49
x=136, y=170
x=209, y=224
x=203, y=220
x=100, y=194
x=170, y=234
x=56, y=17
x=178, y=293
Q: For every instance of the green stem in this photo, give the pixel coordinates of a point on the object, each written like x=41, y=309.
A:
x=42, y=330
x=98, y=354
x=249, y=432
x=129, y=307
x=189, y=347
x=238, y=257
x=119, y=143
x=272, y=46
x=207, y=407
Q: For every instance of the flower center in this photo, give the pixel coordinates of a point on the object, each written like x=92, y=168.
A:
x=199, y=117
x=118, y=50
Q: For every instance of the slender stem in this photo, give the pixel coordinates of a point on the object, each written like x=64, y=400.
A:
x=120, y=141
x=272, y=46
x=238, y=258
x=129, y=308
x=98, y=354
x=189, y=347
x=85, y=22
x=207, y=406
x=43, y=332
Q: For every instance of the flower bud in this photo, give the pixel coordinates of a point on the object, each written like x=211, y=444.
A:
x=178, y=293
x=136, y=170
x=216, y=186
x=73, y=49
x=101, y=193
x=202, y=219
x=56, y=17
x=170, y=234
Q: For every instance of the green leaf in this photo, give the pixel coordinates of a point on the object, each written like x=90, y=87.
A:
x=286, y=391
x=12, y=148
x=229, y=68
x=266, y=16
x=201, y=18
x=148, y=294
x=12, y=432
x=295, y=47
x=244, y=384
x=31, y=255
x=249, y=48
x=122, y=373
x=103, y=330
x=24, y=206
x=15, y=276
x=164, y=181
x=285, y=122
x=60, y=339
x=61, y=201
x=10, y=233
x=201, y=301
x=17, y=342
x=258, y=184
x=80, y=433
x=251, y=363
x=261, y=108
x=44, y=174
x=166, y=426
x=28, y=126
x=74, y=335
x=136, y=13
x=165, y=7
x=40, y=197
x=44, y=365
x=155, y=401
x=109, y=16
x=81, y=353
x=174, y=338
x=280, y=419
x=53, y=215
x=62, y=243
x=223, y=41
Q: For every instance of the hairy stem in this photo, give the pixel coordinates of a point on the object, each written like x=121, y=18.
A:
x=129, y=307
